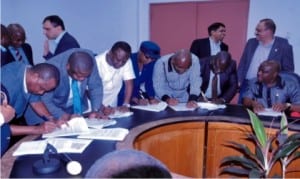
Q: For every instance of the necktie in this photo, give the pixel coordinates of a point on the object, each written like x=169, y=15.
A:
x=76, y=98
x=18, y=55
x=214, y=89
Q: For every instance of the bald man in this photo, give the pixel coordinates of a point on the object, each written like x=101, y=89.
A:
x=271, y=89
x=77, y=68
x=173, y=74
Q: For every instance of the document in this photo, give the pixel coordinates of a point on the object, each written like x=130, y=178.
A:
x=269, y=112
x=75, y=126
x=181, y=107
x=210, y=106
x=62, y=145
x=152, y=107
x=119, y=114
x=99, y=123
x=117, y=134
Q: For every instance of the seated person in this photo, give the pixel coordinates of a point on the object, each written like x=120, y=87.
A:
x=143, y=62
x=128, y=163
x=272, y=90
x=220, y=69
x=25, y=85
x=79, y=80
x=115, y=67
x=173, y=74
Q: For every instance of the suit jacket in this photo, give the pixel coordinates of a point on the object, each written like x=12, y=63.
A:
x=67, y=42
x=228, y=79
x=8, y=57
x=12, y=78
x=281, y=52
x=56, y=100
x=5, y=128
x=201, y=47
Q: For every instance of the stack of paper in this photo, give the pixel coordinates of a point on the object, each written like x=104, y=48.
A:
x=99, y=123
x=119, y=114
x=152, y=107
x=181, y=107
x=270, y=112
x=210, y=106
x=117, y=134
x=62, y=145
x=75, y=126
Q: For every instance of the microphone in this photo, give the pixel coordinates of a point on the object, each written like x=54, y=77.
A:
x=73, y=167
x=47, y=165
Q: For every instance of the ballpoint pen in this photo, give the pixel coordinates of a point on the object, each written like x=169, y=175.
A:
x=204, y=97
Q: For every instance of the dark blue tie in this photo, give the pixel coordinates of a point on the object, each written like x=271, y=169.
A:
x=76, y=98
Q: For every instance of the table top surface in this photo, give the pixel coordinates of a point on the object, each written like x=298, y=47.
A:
x=22, y=166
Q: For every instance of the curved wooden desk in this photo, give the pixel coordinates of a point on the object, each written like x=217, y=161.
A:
x=190, y=143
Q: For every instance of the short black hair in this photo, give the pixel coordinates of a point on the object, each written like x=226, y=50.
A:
x=46, y=71
x=55, y=20
x=269, y=24
x=214, y=27
x=143, y=172
x=121, y=45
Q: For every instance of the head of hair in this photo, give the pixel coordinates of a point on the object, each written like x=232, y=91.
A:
x=14, y=29
x=121, y=45
x=80, y=61
x=55, y=20
x=183, y=56
x=214, y=27
x=274, y=65
x=269, y=24
x=128, y=163
x=46, y=71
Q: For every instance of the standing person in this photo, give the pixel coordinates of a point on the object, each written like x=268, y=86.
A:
x=143, y=62
x=265, y=46
x=212, y=44
x=54, y=29
x=79, y=80
x=6, y=56
x=115, y=67
x=20, y=50
x=25, y=84
x=272, y=89
x=172, y=76
x=222, y=69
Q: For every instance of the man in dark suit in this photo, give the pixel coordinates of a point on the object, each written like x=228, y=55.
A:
x=76, y=66
x=225, y=68
x=265, y=46
x=24, y=86
x=211, y=45
x=54, y=29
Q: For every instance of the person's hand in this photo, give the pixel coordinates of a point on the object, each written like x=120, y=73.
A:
x=143, y=102
x=8, y=112
x=154, y=101
x=191, y=104
x=46, y=47
x=123, y=108
x=257, y=107
x=172, y=101
x=97, y=115
x=46, y=127
x=279, y=107
x=107, y=110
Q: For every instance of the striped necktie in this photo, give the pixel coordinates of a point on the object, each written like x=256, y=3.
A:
x=18, y=55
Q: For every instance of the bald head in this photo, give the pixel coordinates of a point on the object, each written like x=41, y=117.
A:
x=80, y=65
x=129, y=163
x=182, y=60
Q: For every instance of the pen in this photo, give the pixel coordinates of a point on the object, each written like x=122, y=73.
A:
x=204, y=97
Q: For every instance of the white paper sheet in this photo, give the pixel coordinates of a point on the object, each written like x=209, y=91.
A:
x=152, y=107
x=117, y=134
x=269, y=112
x=181, y=107
x=210, y=106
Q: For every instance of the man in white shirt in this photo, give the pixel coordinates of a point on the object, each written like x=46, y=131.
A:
x=115, y=67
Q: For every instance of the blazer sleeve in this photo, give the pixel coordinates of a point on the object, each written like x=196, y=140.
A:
x=95, y=89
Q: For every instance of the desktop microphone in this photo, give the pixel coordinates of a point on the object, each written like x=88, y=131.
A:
x=73, y=167
x=47, y=165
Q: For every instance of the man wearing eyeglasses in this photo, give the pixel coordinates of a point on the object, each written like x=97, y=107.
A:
x=176, y=78
x=265, y=46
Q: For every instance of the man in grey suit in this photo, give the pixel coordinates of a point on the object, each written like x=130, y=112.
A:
x=265, y=46
x=74, y=65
